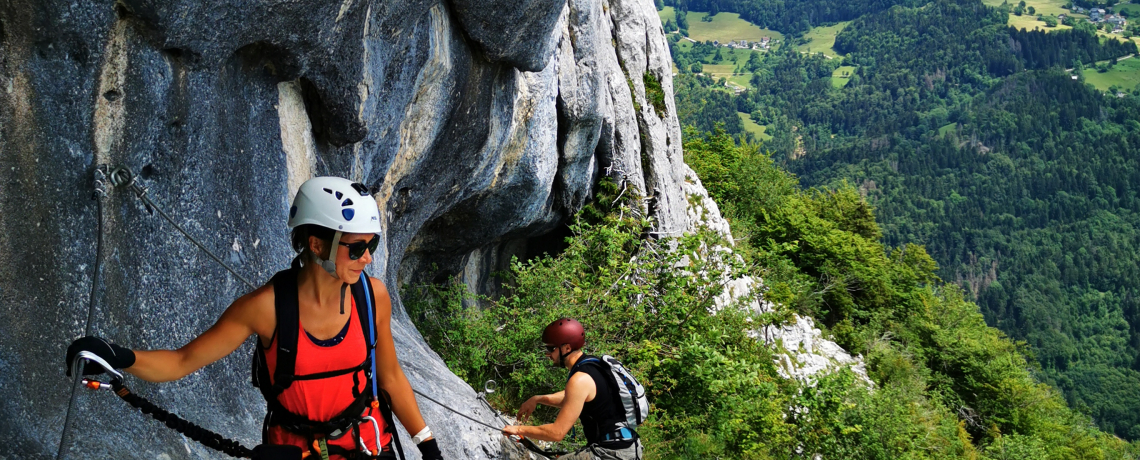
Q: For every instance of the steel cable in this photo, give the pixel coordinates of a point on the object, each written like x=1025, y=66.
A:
x=98, y=195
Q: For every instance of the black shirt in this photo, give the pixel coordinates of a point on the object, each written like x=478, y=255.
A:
x=600, y=416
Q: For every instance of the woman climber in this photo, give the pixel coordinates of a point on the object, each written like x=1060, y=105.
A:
x=326, y=364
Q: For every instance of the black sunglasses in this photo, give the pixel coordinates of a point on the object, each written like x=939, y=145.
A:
x=356, y=250
x=549, y=348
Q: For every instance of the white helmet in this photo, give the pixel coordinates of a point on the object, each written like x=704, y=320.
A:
x=337, y=204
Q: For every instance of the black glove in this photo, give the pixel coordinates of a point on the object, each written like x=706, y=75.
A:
x=429, y=450
x=118, y=357
x=276, y=452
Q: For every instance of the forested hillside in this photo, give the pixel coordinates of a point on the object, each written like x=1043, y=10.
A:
x=792, y=17
x=970, y=137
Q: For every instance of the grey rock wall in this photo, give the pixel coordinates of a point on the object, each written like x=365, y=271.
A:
x=479, y=134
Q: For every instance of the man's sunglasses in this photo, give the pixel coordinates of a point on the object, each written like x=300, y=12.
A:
x=356, y=250
x=549, y=348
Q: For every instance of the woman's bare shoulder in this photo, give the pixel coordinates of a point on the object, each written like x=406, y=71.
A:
x=256, y=310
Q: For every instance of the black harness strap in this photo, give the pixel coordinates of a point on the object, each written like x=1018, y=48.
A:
x=288, y=313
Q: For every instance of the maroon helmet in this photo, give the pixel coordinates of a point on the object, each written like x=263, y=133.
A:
x=565, y=330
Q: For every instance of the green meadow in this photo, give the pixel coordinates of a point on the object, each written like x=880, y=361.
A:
x=758, y=130
x=822, y=39
x=842, y=75
x=1125, y=74
x=725, y=27
x=1131, y=10
x=725, y=70
x=1047, y=7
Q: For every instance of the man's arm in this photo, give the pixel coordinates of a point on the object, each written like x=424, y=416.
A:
x=527, y=408
x=578, y=389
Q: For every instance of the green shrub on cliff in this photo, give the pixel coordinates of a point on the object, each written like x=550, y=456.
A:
x=946, y=386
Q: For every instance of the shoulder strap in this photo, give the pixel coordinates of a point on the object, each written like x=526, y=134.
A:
x=583, y=361
x=365, y=299
x=288, y=316
x=365, y=310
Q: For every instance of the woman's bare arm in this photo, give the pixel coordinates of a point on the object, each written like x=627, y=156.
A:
x=238, y=322
x=391, y=376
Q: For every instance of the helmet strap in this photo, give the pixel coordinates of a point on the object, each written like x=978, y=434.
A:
x=330, y=265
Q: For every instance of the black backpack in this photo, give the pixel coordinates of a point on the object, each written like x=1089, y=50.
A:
x=288, y=313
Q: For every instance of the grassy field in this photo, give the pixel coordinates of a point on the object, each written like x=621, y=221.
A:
x=1028, y=22
x=1050, y=7
x=1125, y=74
x=1133, y=10
x=725, y=27
x=823, y=39
x=838, y=79
x=724, y=70
x=946, y=129
x=666, y=14
x=752, y=127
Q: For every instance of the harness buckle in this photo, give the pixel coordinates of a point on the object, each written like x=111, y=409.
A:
x=622, y=434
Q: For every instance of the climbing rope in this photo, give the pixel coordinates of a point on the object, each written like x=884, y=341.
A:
x=190, y=430
x=489, y=387
x=445, y=406
x=98, y=195
x=123, y=177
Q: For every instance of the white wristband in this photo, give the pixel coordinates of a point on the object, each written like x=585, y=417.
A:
x=422, y=435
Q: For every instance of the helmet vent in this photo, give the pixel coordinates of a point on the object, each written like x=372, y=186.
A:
x=347, y=202
x=347, y=213
x=328, y=191
x=339, y=195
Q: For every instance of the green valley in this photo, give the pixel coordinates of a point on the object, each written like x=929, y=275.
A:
x=969, y=138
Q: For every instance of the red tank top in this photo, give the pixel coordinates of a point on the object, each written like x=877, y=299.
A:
x=322, y=399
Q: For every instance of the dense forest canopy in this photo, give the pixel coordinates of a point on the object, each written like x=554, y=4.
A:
x=973, y=139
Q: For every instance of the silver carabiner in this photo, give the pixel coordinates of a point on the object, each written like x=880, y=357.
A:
x=375, y=428
x=77, y=367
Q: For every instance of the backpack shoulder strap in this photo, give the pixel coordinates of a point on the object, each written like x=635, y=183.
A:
x=584, y=361
x=365, y=310
x=287, y=310
x=365, y=298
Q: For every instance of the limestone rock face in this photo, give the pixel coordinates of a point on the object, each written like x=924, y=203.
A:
x=519, y=33
x=480, y=126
